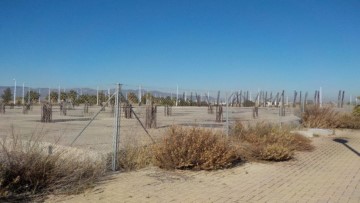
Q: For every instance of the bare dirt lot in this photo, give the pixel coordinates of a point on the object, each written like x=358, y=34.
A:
x=331, y=173
x=98, y=136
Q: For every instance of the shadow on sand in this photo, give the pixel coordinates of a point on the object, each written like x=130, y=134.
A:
x=344, y=142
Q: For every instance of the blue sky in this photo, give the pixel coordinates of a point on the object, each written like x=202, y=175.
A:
x=228, y=45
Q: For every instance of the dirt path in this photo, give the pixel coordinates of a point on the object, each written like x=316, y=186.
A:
x=331, y=173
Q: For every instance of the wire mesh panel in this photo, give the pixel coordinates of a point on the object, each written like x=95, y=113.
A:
x=84, y=117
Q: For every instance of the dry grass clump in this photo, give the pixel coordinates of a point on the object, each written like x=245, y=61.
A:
x=316, y=117
x=194, y=148
x=327, y=117
x=269, y=142
x=356, y=111
x=133, y=157
x=28, y=170
x=301, y=143
x=349, y=121
x=276, y=152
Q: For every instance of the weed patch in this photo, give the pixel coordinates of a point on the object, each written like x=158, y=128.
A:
x=269, y=142
x=27, y=169
x=194, y=148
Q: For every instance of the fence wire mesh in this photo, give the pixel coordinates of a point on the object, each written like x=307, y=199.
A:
x=146, y=112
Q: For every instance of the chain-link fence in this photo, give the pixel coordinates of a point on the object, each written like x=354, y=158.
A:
x=86, y=117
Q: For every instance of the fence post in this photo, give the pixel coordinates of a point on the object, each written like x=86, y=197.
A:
x=227, y=114
x=116, y=136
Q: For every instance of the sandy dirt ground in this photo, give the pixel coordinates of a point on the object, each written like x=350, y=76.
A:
x=99, y=135
x=331, y=173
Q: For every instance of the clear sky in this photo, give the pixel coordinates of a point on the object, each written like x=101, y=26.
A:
x=270, y=45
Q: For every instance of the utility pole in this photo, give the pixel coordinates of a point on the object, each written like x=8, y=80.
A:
x=49, y=95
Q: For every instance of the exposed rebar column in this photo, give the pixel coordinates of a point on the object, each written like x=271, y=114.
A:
x=23, y=94
x=86, y=108
x=342, y=99
x=219, y=113
x=305, y=102
x=315, y=97
x=150, y=119
x=59, y=93
x=2, y=108
x=167, y=110
x=127, y=111
x=282, y=106
x=46, y=113
x=295, y=95
x=210, y=109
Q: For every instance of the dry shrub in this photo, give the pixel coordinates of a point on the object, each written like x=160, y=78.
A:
x=327, y=117
x=276, y=152
x=269, y=142
x=194, y=148
x=349, y=121
x=27, y=170
x=316, y=117
x=133, y=157
x=356, y=111
x=301, y=143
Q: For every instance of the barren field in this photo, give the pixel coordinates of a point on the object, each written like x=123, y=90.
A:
x=98, y=136
x=331, y=173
